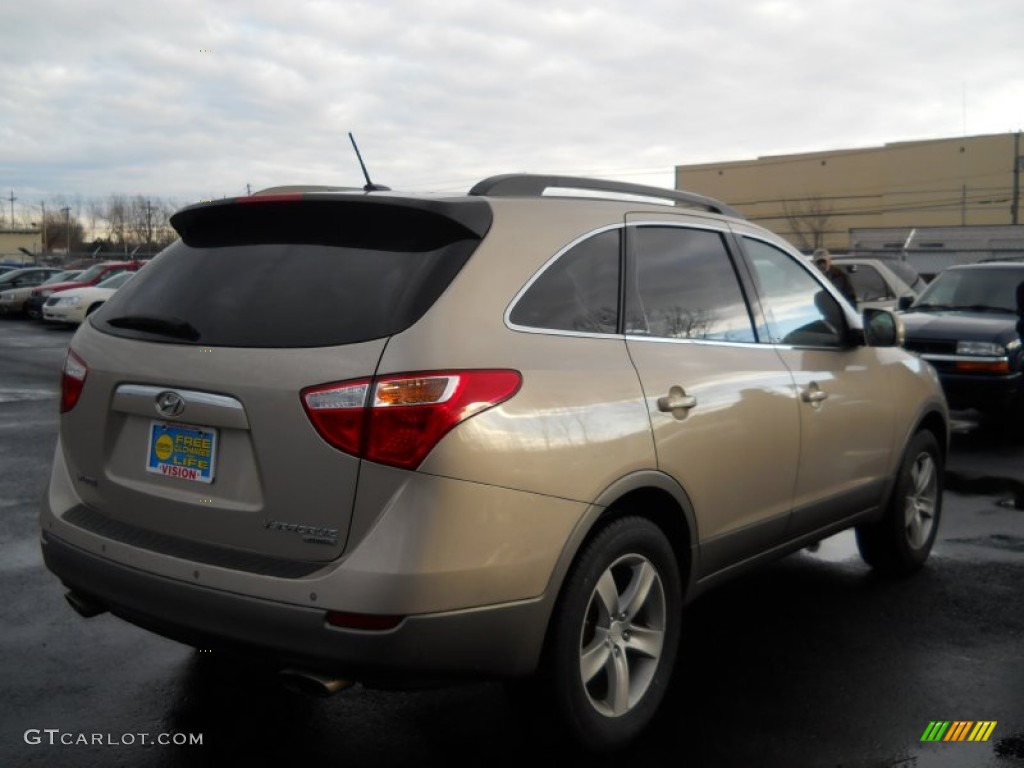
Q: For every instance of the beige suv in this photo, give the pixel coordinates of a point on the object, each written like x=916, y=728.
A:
x=382, y=437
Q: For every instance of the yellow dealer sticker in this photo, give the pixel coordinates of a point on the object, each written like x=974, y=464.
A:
x=182, y=450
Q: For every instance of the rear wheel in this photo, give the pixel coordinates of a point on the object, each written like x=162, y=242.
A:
x=615, y=634
x=902, y=539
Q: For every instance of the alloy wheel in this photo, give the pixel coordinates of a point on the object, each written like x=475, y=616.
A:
x=623, y=635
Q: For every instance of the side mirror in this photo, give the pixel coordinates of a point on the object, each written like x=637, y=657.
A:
x=905, y=301
x=883, y=328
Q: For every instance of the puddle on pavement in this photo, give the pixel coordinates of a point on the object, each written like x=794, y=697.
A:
x=834, y=549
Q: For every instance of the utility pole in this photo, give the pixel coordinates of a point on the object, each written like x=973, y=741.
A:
x=12, y=198
x=67, y=218
x=42, y=204
x=149, y=225
x=1015, y=203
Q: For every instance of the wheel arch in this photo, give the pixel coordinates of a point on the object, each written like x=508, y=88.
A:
x=649, y=494
x=937, y=423
x=934, y=419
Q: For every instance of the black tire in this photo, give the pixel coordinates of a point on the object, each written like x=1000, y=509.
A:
x=633, y=642
x=900, y=541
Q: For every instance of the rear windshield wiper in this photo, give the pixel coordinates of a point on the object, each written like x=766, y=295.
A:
x=163, y=326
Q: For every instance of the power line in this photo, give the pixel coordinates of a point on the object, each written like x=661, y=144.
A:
x=936, y=204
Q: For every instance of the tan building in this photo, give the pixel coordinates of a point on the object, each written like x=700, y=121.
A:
x=818, y=198
x=12, y=241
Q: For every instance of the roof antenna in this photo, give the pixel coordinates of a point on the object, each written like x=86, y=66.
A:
x=370, y=186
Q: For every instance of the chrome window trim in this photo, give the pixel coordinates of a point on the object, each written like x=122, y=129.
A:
x=962, y=358
x=700, y=342
x=557, y=332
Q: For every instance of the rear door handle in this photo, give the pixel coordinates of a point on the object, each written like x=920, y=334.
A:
x=677, y=402
x=813, y=394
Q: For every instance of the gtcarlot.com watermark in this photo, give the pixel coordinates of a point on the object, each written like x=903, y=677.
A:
x=55, y=737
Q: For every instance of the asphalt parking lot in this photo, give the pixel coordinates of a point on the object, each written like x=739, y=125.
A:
x=812, y=661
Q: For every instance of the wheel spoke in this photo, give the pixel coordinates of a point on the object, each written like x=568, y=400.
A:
x=915, y=531
x=919, y=511
x=607, y=594
x=594, y=657
x=924, y=475
x=618, y=683
x=646, y=641
x=910, y=512
x=636, y=594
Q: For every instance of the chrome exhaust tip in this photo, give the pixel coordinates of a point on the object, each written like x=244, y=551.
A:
x=312, y=683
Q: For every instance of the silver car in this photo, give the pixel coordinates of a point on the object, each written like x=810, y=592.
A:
x=880, y=283
x=382, y=437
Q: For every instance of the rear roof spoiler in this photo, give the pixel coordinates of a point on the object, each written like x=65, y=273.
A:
x=535, y=185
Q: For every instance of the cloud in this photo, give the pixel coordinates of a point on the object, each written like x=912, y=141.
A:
x=195, y=100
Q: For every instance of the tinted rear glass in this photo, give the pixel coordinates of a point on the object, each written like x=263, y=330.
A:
x=292, y=275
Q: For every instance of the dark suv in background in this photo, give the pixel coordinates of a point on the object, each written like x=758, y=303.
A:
x=965, y=325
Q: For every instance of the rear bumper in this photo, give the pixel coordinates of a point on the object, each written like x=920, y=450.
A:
x=492, y=641
x=474, y=569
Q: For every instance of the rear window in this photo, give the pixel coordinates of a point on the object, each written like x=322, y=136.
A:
x=297, y=273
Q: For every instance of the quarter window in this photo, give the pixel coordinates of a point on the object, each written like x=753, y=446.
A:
x=578, y=292
x=797, y=308
x=684, y=287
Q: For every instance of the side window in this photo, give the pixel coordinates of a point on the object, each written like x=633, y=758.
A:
x=578, y=292
x=797, y=309
x=868, y=284
x=684, y=287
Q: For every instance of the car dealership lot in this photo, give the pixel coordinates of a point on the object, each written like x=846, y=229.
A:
x=811, y=661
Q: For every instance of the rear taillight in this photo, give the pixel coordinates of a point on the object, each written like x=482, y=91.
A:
x=397, y=420
x=72, y=379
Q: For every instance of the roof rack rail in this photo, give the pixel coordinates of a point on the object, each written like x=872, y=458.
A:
x=534, y=185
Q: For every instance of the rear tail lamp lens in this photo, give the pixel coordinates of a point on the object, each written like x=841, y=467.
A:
x=397, y=420
x=72, y=380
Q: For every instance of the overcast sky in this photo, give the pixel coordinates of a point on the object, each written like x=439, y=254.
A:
x=193, y=99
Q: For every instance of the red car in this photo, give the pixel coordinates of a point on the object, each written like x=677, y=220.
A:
x=94, y=274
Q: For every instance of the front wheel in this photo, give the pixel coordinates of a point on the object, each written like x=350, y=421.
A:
x=615, y=634
x=902, y=539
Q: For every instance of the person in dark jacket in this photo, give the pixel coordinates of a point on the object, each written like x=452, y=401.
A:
x=838, y=278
